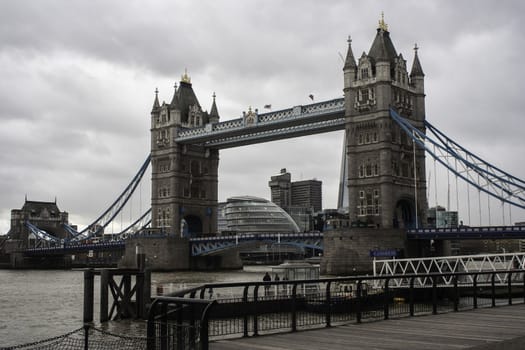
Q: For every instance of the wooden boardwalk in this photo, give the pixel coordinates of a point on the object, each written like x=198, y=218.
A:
x=500, y=328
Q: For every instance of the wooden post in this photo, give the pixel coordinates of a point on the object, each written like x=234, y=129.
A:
x=88, y=295
x=146, y=294
x=126, y=300
x=104, y=288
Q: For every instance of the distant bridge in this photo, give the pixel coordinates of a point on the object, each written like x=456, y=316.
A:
x=208, y=245
x=462, y=232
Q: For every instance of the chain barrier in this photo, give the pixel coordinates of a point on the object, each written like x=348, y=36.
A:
x=85, y=338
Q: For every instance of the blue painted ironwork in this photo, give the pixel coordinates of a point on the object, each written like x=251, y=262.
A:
x=463, y=232
x=466, y=165
x=96, y=227
x=140, y=224
x=292, y=122
x=75, y=247
x=207, y=245
x=41, y=234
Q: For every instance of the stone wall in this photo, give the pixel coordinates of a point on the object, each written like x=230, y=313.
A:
x=347, y=252
x=171, y=253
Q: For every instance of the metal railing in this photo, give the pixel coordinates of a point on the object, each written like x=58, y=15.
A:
x=249, y=309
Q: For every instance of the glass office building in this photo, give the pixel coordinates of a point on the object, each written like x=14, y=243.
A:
x=248, y=214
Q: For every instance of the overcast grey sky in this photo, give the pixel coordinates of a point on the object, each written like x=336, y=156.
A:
x=78, y=79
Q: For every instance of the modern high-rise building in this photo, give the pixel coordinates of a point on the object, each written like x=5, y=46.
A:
x=305, y=193
x=300, y=199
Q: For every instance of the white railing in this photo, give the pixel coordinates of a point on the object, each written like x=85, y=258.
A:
x=447, y=264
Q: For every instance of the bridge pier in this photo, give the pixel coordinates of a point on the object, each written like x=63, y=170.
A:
x=156, y=253
x=351, y=251
x=229, y=259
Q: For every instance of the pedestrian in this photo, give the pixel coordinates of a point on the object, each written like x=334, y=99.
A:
x=284, y=284
x=266, y=278
x=276, y=278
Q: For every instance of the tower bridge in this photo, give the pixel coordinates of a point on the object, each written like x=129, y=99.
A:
x=253, y=127
x=384, y=185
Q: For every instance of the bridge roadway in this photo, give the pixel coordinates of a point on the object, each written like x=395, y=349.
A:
x=312, y=240
x=500, y=328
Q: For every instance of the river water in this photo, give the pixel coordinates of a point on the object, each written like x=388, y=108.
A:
x=40, y=304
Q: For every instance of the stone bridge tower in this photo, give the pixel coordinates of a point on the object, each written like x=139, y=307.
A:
x=385, y=172
x=184, y=182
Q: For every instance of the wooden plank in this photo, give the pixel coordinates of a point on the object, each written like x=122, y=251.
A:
x=490, y=327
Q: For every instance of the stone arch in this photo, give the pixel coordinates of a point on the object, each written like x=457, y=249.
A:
x=404, y=214
x=191, y=226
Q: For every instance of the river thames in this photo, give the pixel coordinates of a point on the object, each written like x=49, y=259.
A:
x=39, y=304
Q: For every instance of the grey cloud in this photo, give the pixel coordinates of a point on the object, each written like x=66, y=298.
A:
x=78, y=79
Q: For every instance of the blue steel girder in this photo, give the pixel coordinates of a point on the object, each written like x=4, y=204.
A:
x=208, y=245
x=76, y=247
x=41, y=235
x=287, y=123
x=114, y=209
x=465, y=165
x=483, y=232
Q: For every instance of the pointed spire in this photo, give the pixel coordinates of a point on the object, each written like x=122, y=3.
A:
x=175, y=100
x=350, y=60
x=156, y=104
x=382, y=25
x=214, y=113
x=185, y=78
x=416, y=71
x=382, y=48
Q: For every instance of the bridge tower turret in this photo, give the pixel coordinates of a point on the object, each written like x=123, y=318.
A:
x=385, y=172
x=184, y=186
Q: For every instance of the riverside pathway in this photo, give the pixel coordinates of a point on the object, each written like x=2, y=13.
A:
x=500, y=328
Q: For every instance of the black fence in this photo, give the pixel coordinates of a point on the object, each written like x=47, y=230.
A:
x=191, y=318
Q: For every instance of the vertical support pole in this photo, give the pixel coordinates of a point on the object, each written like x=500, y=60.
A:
x=180, y=329
x=328, y=305
x=150, y=330
x=146, y=292
x=523, y=276
x=475, y=291
x=411, y=296
x=88, y=295
x=385, y=300
x=509, y=286
x=359, y=301
x=434, y=295
x=191, y=332
x=294, y=307
x=415, y=179
x=493, y=288
x=164, y=340
x=245, y=318
x=140, y=257
x=139, y=294
x=126, y=300
x=104, y=286
x=205, y=320
x=86, y=336
x=255, y=311
x=456, y=293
